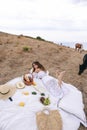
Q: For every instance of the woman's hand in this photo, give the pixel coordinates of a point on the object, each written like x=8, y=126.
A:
x=31, y=70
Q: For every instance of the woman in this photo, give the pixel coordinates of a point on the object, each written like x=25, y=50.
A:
x=52, y=84
x=38, y=70
x=36, y=65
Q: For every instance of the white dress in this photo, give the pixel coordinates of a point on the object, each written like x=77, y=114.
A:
x=50, y=83
x=52, y=86
x=39, y=75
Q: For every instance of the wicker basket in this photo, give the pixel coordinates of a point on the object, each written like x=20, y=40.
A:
x=50, y=121
x=30, y=82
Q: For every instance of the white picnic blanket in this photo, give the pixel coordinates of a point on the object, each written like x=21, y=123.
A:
x=15, y=117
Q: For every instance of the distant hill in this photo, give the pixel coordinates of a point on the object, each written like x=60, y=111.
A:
x=17, y=52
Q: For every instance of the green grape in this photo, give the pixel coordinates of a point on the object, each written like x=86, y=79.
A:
x=46, y=101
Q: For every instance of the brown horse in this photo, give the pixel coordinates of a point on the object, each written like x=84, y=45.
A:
x=79, y=47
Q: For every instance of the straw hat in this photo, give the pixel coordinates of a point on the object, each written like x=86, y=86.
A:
x=20, y=85
x=6, y=91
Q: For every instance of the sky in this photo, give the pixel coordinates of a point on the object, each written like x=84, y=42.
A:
x=53, y=20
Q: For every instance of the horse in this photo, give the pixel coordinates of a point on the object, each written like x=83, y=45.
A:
x=83, y=66
x=79, y=47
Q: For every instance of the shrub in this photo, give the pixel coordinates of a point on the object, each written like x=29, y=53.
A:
x=21, y=35
x=26, y=48
x=39, y=38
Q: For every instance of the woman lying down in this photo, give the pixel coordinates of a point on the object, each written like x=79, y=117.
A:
x=52, y=84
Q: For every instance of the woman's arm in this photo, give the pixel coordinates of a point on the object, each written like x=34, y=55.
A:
x=31, y=70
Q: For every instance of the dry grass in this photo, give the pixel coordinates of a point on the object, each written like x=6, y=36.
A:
x=15, y=62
